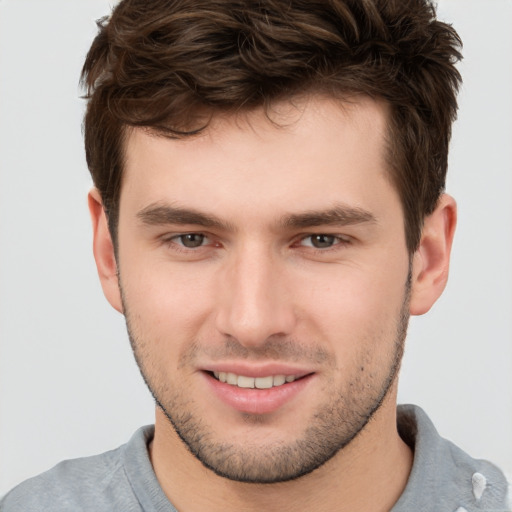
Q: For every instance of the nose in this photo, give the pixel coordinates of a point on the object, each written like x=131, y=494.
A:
x=254, y=302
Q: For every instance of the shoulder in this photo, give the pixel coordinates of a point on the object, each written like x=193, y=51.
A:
x=443, y=476
x=97, y=483
x=70, y=485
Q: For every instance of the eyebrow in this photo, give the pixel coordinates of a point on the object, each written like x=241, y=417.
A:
x=339, y=215
x=158, y=214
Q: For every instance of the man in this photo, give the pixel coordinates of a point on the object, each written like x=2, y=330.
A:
x=268, y=211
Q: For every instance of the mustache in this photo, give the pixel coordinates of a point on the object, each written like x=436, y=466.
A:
x=275, y=348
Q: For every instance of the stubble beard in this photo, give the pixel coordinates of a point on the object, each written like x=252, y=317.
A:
x=332, y=427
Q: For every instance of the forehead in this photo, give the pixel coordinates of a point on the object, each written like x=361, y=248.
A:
x=305, y=152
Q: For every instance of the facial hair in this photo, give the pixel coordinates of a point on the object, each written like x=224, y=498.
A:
x=334, y=424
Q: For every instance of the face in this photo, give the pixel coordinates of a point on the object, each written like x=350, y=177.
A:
x=264, y=279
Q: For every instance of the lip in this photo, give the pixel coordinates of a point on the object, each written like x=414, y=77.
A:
x=257, y=401
x=259, y=370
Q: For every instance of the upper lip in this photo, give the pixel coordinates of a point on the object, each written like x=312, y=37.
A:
x=255, y=370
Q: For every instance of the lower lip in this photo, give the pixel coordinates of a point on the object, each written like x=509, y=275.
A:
x=257, y=401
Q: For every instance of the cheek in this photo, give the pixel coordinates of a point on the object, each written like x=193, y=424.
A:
x=168, y=306
x=355, y=309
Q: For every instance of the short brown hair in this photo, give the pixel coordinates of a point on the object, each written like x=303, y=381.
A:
x=163, y=64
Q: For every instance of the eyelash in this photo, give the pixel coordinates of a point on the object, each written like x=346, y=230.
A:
x=176, y=242
x=337, y=242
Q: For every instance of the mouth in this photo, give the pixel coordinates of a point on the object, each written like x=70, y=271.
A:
x=265, y=391
x=246, y=382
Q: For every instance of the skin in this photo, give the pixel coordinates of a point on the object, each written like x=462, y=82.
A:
x=256, y=295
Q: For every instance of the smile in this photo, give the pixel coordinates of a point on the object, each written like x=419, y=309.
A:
x=243, y=381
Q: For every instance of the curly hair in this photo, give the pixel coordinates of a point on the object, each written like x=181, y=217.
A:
x=169, y=65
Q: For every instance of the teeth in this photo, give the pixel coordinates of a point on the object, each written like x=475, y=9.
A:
x=279, y=380
x=232, y=379
x=253, y=382
x=245, y=382
x=264, y=382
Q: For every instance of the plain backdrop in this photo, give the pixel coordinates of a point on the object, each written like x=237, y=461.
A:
x=68, y=385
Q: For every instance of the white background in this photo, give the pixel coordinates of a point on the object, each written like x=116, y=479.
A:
x=68, y=385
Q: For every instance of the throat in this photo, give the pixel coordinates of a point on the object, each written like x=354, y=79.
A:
x=369, y=475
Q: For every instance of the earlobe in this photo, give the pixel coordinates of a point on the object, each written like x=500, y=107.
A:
x=432, y=258
x=103, y=249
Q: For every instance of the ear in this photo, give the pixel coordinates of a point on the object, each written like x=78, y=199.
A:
x=432, y=259
x=103, y=250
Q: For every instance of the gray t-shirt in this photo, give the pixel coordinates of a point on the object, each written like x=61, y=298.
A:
x=443, y=478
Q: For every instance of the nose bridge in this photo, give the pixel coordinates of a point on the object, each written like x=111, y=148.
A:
x=253, y=304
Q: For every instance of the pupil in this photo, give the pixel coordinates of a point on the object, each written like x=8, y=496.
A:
x=192, y=240
x=322, y=241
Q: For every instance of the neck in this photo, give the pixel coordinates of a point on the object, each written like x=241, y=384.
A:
x=367, y=475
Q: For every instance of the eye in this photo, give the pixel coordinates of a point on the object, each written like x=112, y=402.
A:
x=191, y=240
x=321, y=241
